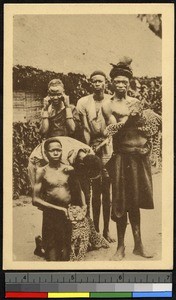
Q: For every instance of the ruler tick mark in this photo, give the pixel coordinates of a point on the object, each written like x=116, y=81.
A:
x=86, y=278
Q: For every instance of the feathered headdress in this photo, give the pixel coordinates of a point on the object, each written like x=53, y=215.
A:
x=122, y=68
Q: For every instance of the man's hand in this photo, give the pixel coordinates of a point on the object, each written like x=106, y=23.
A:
x=66, y=101
x=46, y=103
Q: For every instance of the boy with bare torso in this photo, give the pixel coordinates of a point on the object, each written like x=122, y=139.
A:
x=54, y=189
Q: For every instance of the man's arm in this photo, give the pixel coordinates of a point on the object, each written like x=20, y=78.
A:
x=44, y=124
x=77, y=194
x=36, y=200
x=83, y=118
x=86, y=129
x=70, y=123
x=44, y=127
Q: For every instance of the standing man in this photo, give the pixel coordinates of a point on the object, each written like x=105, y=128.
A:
x=90, y=112
x=130, y=166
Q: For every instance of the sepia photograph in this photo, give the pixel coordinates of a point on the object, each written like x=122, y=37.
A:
x=88, y=152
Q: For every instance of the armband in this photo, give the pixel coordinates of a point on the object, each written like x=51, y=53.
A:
x=44, y=114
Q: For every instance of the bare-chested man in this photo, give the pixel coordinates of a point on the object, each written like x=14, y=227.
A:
x=93, y=124
x=54, y=189
x=129, y=167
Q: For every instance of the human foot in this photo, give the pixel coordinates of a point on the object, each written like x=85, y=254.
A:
x=39, y=251
x=120, y=254
x=107, y=236
x=141, y=252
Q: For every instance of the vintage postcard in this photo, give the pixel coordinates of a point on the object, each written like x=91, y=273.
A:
x=88, y=136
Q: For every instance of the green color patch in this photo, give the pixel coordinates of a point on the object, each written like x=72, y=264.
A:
x=110, y=295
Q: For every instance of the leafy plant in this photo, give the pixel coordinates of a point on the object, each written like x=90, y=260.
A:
x=25, y=138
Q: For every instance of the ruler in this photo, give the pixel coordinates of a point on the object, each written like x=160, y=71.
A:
x=57, y=284
x=86, y=277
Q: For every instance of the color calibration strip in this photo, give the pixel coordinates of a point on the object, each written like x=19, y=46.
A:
x=101, y=295
x=119, y=285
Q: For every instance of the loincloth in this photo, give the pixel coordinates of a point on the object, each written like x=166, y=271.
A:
x=131, y=177
x=56, y=230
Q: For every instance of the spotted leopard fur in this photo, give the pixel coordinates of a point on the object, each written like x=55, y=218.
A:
x=150, y=124
x=83, y=235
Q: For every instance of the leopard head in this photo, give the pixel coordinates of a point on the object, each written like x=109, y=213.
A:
x=76, y=213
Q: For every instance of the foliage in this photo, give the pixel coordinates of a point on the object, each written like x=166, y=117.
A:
x=149, y=92
x=25, y=139
x=27, y=78
x=154, y=22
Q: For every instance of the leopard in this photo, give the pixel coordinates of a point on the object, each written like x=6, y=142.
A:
x=96, y=240
x=152, y=125
x=84, y=236
x=149, y=123
x=79, y=232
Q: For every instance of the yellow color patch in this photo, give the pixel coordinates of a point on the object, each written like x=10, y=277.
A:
x=68, y=295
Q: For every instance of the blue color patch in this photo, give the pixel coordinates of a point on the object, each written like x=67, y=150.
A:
x=152, y=294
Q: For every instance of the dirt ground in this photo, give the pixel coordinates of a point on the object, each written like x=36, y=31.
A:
x=27, y=222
